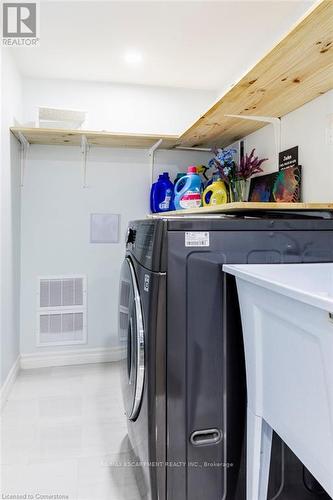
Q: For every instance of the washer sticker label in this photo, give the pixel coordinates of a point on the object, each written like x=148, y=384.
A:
x=197, y=239
x=146, y=283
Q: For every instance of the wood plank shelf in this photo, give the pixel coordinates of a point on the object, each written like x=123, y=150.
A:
x=298, y=69
x=249, y=207
x=101, y=139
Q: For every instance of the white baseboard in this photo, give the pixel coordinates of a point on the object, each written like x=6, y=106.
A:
x=8, y=383
x=71, y=357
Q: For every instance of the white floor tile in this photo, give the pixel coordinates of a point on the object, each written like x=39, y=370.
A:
x=64, y=432
x=107, y=477
x=56, y=478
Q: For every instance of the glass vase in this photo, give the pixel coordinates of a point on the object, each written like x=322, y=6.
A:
x=239, y=190
x=231, y=192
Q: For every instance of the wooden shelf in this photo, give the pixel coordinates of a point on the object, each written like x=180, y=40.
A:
x=249, y=207
x=102, y=139
x=298, y=69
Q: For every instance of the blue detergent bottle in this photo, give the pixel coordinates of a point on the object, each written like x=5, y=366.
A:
x=187, y=191
x=161, y=194
x=180, y=175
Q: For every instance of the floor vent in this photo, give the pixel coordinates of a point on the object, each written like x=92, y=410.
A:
x=61, y=310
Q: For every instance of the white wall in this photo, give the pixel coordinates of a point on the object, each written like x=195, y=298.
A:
x=56, y=209
x=11, y=104
x=120, y=108
x=55, y=226
x=308, y=127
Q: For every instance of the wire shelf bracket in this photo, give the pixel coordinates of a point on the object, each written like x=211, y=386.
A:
x=85, y=148
x=194, y=148
x=24, y=147
x=151, y=155
x=276, y=122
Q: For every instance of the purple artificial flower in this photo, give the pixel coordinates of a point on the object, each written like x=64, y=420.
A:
x=249, y=165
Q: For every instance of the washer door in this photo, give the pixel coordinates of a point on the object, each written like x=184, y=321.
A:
x=131, y=335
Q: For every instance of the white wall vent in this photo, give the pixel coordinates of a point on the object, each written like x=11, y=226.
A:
x=61, y=310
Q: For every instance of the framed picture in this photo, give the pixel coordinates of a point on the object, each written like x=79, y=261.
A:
x=261, y=187
x=287, y=186
x=283, y=186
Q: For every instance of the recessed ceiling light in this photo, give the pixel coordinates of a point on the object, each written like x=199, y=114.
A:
x=133, y=57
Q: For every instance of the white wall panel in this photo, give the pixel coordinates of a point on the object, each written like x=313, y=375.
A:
x=309, y=127
x=56, y=226
x=11, y=108
x=120, y=108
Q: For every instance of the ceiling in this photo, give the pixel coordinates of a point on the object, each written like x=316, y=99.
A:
x=188, y=44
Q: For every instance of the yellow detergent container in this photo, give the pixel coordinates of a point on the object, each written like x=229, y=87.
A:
x=215, y=194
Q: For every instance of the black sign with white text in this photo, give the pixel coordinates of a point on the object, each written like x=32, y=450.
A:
x=288, y=158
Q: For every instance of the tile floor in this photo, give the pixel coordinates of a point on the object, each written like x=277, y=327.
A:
x=61, y=429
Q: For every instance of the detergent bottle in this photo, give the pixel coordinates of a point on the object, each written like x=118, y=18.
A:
x=180, y=175
x=188, y=190
x=161, y=194
x=215, y=193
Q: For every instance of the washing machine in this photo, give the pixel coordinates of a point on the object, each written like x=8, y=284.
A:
x=183, y=377
x=142, y=334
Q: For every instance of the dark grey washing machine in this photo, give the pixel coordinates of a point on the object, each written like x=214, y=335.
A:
x=183, y=379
